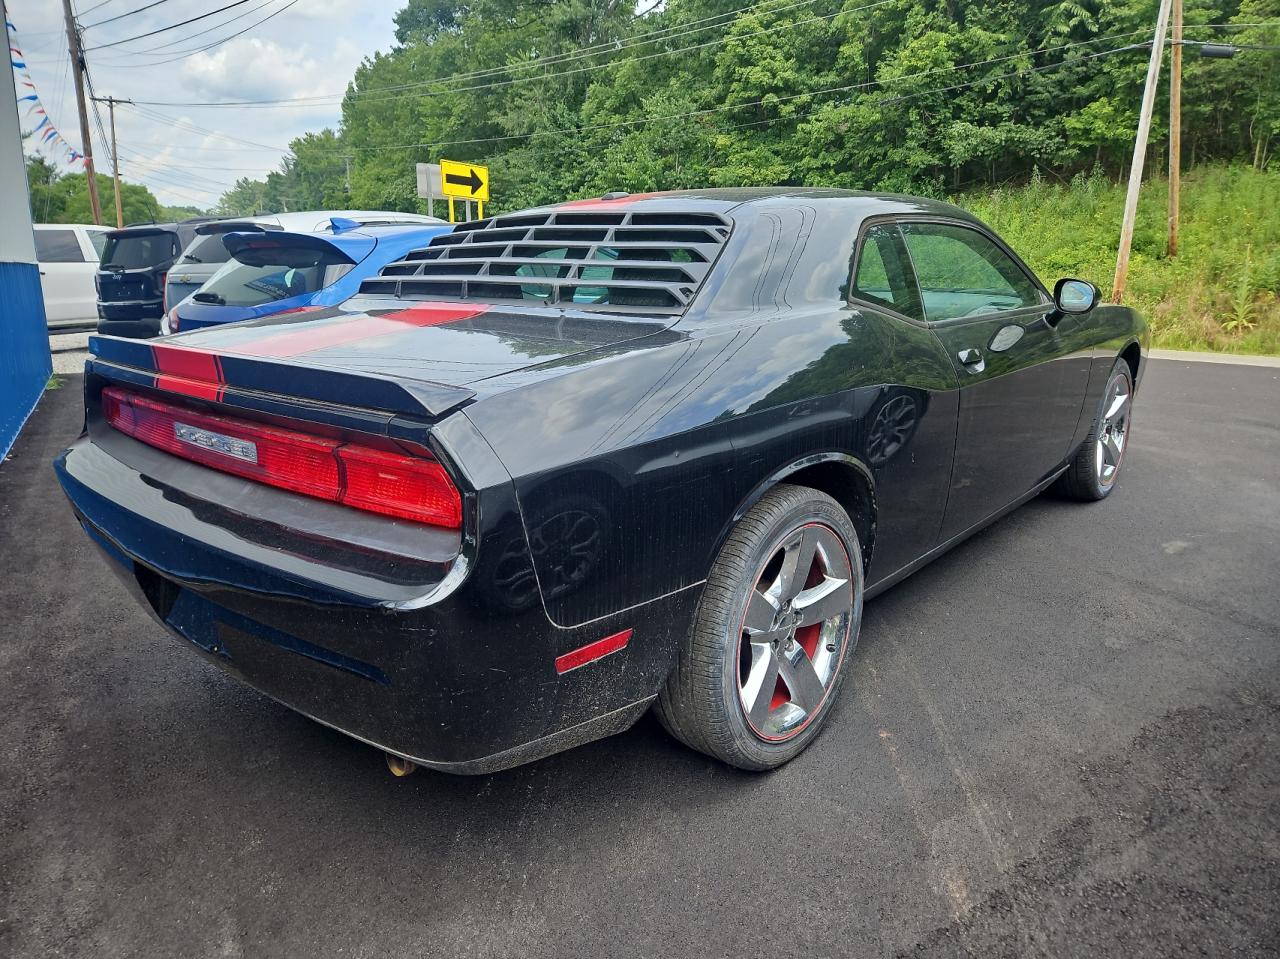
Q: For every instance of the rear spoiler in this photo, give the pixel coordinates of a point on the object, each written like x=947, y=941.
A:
x=234, y=226
x=266, y=384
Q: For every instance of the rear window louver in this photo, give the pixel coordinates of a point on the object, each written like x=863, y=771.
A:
x=613, y=261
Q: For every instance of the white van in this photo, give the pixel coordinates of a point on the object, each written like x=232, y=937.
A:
x=68, y=255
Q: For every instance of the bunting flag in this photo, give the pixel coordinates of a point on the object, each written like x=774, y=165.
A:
x=44, y=133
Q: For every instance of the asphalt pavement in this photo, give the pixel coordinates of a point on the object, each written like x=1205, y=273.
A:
x=1061, y=739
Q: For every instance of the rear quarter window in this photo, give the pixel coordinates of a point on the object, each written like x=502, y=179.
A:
x=58, y=246
x=206, y=249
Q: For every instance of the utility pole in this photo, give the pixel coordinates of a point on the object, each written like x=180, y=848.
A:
x=115, y=156
x=1140, y=153
x=347, y=160
x=1175, y=127
x=77, y=74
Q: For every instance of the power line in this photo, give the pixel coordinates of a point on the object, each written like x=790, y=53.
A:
x=684, y=50
x=172, y=26
x=572, y=54
x=127, y=13
x=869, y=84
x=181, y=170
x=889, y=101
x=364, y=96
x=159, y=117
x=218, y=43
x=199, y=33
x=652, y=36
x=142, y=174
x=163, y=118
x=555, y=60
x=850, y=87
x=183, y=54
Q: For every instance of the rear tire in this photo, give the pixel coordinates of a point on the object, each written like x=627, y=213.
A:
x=1095, y=468
x=778, y=619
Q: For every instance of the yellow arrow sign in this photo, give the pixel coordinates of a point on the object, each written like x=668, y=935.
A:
x=466, y=181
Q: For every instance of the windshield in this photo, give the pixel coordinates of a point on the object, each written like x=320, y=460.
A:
x=258, y=276
x=138, y=251
x=205, y=249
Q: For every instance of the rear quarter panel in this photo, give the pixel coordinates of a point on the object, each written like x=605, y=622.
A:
x=629, y=468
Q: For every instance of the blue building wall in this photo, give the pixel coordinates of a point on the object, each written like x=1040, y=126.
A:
x=24, y=348
x=25, y=363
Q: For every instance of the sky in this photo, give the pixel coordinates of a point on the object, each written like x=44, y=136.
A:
x=188, y=155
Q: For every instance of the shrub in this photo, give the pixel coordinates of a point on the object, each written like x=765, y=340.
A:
x=1218, y=293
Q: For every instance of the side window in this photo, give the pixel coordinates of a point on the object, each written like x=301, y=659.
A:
x=58, y=246
x=963, y=273
x=881, y=275
x=99, y=240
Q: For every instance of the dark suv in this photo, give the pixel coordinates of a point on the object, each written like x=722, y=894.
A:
x=131, y=279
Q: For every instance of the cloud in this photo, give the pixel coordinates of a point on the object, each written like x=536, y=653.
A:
x=251, y=68
x=311, y=48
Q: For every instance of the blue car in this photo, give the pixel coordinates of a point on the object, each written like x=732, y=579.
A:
x=277, y=271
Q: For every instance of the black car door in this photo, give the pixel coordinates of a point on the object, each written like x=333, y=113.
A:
x=909, y=423
x=1021, y=382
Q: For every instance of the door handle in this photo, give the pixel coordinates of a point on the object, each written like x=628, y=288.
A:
x=972, y=360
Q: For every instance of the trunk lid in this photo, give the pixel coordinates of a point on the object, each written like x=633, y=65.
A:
x=416, y=358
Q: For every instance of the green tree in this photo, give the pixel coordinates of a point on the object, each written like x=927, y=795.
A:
x=64, y=198
x=573, y=97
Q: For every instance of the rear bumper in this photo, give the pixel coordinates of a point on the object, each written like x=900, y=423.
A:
x=457, y=673
x=134, y=328
x=139, y=319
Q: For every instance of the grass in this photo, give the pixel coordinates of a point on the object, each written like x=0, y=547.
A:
x=1220, y=293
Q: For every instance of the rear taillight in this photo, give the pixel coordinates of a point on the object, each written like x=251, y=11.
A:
x=174, y=320
x=406, y=487
x=164, y=290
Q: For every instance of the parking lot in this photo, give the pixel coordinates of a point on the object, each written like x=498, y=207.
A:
x=69, y=351
x=1063, y=736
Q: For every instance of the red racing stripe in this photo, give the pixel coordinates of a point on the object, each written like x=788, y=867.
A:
x=197, y=388
x=187, y=362
x=596, y=203
x=308, y=339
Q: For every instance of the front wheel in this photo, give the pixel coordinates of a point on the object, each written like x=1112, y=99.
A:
x=1095, y=468
x=779, y=616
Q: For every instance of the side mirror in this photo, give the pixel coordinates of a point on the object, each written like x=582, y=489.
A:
x=1075, y=296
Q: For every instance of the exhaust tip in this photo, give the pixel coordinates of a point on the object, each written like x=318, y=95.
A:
x=400, y=766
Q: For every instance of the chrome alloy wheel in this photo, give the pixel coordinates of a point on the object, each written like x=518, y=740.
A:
x=1114, y=430
x=794, y=631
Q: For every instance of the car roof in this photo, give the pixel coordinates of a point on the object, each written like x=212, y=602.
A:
x=145, y=228
x=314, y=221
x=172, y=226
x=69, y=226
x=744, y=199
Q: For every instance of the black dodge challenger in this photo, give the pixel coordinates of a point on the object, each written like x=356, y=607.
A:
x=564, y=465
